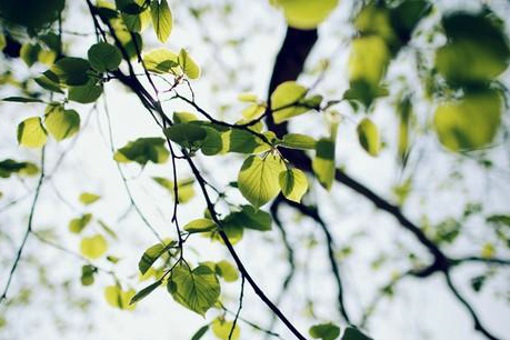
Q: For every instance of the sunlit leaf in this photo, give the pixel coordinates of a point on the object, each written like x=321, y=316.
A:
x=31, y=133
x=185, y=188
x=470, y=123
x=76, y=225
x=298, y=141
x=188, y=65
x=324, y=162
x=305, y=14
x=93, y=247
x=187, y=135
x=293, y=183
x=227, y=271
x=118, y=298
x=285, y=101
x=197, y=289
x=161, y=19
x=258, y=179
x=88, y=198
x=368, y=135
x=222, y=329
x=71, y=71
x=200, y=225
x=161, y=61
x=152, y=254
x=87, y=274
x=200, y=333
x=62, y=124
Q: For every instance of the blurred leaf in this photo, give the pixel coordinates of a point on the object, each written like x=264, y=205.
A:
x=62, y=124
x=142, y=294
x=285, y=101
x=222, y=329
x=323, y=164
x=76, y=225
x=142, y=151
x=368, y=135
x=118, y=298
x=305, y=14
x=200, y=225
x=325, y=331
x=227, y=271
x=93, y=247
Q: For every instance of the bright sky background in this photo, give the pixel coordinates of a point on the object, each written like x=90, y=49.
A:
x=421, y=310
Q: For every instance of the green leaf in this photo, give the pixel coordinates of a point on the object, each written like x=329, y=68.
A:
x=62, y=124
x=71, y=71
x=478, y=49
x=3, y=42
x=29, y=53
x=253, y=111
x=10, y=166
x=109, y=231
x=184, y=117
x=298, y=141
x=200, y=225
x=499, y=220
x=142, y=151
x=227, y=271
x=161, y=19
x=197, y=289
x=144, y=292
x=470, y=123
x=258, y=179
x=285, y=101
x=187, y=135
x=188, y=65
x=222, y=329
x=161, y=61
x=87, y=198
x=76, y=225
x=118, y=298
x=49, y=81
x=323, y=164
x=87, y=274
x=368, y=60
x=325, y=331
x=243, y=141
x=294, y=184
x=22, y=100
x=85, y=94
x=135, y=15
x=305, y=14
x=368, y=136
x=104, y=57
x=93, y=247
x=354, y=334
x=152, y=254
x=247, y=97
x=200, y=333
x=31, y=133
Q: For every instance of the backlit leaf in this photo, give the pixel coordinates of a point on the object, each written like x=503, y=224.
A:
x=324, y=162
x=222, y=329
x=294, y=184
x=200, y=225
x=31, y=133
x=285, y=101
x=88, y=198
x=298, y=141
x=93, y=247
x=76, y=225
x=161, y=61
x=62, y=124
x=197, y=289
x=368, y=136
x=258, y=179
x=118, y=298
x=142, y=151
x=142, y=294
x=305, y=14
x=161, y=19
x=188, y=65
x=152, y=254
x=227, y=271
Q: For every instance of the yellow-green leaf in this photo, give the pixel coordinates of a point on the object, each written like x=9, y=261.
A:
x=62, y=124
x=227, y=271
x=294, y=184
x=222, y=329
x=118, y=298
x=31, y=133
x=76, y=225
x=323, y=164
x=470, y=123
x=188, y=65
x=93, y=247
x=197, y=289
x=305, y=14
x=285, y=101
x=161, y=19
x=200, y=225
x=368, y=136
x=88, y=198
x=258, y=179
x=161, y=61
